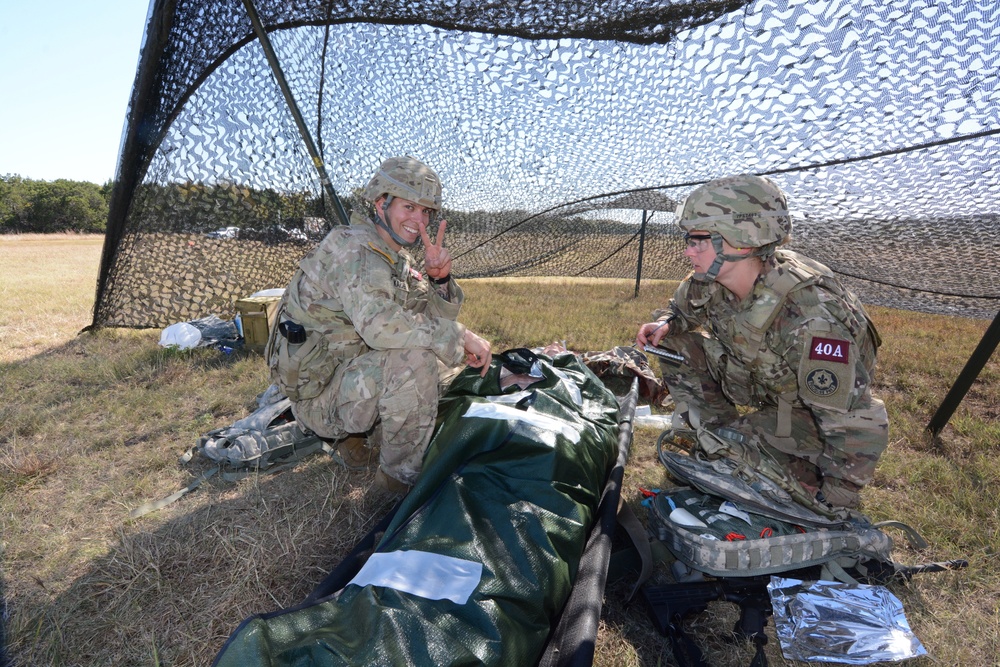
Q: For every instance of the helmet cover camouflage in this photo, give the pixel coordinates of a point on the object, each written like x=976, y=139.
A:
x=407, y=178
x=748, y=211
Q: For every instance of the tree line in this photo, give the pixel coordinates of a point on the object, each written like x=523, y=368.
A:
x=30, y=206
x=62, y=205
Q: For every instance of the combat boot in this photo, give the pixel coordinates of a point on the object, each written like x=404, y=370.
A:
x=389, y=484
x=352, y=452
x=841, y=493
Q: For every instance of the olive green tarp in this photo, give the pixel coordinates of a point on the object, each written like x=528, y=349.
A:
x=515, y=489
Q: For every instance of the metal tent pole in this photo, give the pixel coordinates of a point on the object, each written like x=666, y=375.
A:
x=642, y=243
x=272, y=59
x=965, y=379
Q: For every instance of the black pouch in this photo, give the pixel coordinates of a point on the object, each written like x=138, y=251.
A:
x=295, y=333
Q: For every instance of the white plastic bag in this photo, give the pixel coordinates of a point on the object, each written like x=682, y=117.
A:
x=181, y=335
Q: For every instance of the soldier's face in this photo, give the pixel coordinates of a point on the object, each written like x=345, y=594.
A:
x=404, y=216
x=700, y=252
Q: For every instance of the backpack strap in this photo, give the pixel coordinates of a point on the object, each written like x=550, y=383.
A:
x=639, y=538
x=912, y=536
x=154, y=505
x=762, y=316
x=832, y=571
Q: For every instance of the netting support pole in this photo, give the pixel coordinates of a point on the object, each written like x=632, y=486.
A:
x=973, y=366
x=293, y=107
x=642, y=243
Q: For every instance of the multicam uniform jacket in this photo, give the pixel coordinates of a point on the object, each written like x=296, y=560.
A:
x=353, y=293
x=799, y=341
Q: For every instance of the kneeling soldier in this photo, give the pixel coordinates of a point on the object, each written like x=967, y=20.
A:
x=364, y=337
x=767, y=328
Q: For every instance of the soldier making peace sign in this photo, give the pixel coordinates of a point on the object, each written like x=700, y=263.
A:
x=379, y=337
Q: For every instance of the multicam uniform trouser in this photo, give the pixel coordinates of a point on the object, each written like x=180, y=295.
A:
x=394, y=392
x=696, y=388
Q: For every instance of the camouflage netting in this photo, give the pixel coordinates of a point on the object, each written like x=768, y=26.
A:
x=558, y=127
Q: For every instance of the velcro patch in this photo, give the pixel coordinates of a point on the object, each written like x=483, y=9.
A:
x=830, y=349
x=822, y=382
x=827, y=372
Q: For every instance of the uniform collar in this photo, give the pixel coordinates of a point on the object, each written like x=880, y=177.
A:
x=376, y=241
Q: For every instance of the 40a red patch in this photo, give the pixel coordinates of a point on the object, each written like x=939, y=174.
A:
x=830, y=349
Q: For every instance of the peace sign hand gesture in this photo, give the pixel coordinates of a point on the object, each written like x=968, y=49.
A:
x=437, y=259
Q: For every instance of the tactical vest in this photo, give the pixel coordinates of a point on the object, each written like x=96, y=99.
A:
x=303, y=370
x=750, y=372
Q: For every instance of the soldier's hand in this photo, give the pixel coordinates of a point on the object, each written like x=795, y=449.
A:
x=652, y=333
x=437, y=258
x=478, y=352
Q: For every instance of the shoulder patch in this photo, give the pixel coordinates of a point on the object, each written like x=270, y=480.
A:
x=822, y=382
x=830, y=349
x=826, y=372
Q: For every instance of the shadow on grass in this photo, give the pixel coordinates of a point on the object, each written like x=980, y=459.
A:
x=4, y=613
x=171, y=590
x=93, y=428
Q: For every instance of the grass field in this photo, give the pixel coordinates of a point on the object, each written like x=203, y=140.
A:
x=91, y=426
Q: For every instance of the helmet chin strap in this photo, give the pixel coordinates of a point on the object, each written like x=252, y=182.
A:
x=720, y=257
x=387, y=225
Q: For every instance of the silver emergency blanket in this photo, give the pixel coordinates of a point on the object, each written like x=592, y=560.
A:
x=853, y=624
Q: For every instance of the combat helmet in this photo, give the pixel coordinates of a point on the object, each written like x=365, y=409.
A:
x=747, y=211
x=405, y=177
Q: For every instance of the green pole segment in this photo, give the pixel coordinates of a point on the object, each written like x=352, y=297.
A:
x=965, y=379
x=279, y=75
x=642, y=242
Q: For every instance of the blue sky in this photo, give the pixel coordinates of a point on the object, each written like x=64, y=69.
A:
x=66, y=71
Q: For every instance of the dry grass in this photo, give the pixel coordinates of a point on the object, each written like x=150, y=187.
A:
x=91, y=427
x=47, y=286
